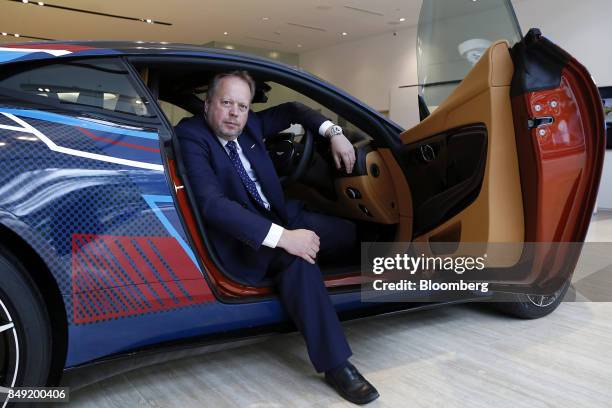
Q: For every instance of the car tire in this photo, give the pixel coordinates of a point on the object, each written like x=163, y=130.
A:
x=533, y=306
x=25, y=330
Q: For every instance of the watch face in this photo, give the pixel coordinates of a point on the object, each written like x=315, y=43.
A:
x=335, y=130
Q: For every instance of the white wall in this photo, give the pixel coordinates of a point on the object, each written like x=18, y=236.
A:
x=367, y=68
x=583, y=28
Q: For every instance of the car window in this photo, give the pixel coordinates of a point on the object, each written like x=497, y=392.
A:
x=174, y=113
x=452, y=35
x=103, y=84
x=280, y=94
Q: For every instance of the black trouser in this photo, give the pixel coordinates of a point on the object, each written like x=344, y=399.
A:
x=303, y=291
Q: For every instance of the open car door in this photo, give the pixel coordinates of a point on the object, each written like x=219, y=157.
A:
x=511, y=158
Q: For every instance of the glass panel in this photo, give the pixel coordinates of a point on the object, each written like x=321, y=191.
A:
x=280, y=94
x=452, y=35
x=102, y=84
x=174, y=113
x=606, y=99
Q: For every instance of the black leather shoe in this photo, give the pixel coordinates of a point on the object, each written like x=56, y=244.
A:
x=351, y=385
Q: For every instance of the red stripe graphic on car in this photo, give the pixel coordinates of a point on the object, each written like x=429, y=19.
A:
x=117, y=142
x=120, y=276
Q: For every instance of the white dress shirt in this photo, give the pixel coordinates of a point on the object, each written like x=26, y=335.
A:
x=275, y=231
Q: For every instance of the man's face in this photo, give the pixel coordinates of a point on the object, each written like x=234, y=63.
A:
x=228, y=109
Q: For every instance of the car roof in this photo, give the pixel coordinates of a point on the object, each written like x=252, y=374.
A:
x=49, y=50
x=27, y=51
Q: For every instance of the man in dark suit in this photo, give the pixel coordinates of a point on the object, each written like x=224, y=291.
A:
x=255, y=232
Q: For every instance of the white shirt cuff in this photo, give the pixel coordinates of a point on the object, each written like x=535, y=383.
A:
x=325, y=127
x=274, y=234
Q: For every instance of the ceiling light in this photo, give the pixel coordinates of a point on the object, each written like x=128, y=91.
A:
x=40, y=90
x=229, y=47
x=149, y=21
x=25, y=1
x=47, y=90
x=344, y=34
x=2, y=144
x=4, y=33
x=16, y=35
x=402, y=19
x=40, y=3
x=225, y=33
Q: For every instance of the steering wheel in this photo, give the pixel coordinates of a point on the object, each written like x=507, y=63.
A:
x=291, y=160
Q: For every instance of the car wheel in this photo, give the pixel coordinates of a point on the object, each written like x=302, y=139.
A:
x=25, y=332
x=533, y=306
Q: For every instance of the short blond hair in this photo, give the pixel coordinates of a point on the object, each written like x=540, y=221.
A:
x=244, y=75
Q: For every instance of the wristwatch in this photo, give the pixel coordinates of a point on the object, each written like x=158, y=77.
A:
x=335, y=130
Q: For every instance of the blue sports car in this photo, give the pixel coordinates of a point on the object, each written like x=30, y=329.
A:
x=103, y=253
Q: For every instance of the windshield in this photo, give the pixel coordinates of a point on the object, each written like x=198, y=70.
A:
x=451, y=37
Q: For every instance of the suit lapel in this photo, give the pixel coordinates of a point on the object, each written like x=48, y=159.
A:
x=221, y=154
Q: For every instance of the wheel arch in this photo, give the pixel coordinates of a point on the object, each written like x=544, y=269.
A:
x=49, y=289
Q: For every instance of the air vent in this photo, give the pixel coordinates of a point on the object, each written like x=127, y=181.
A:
x=308, y=27
x=374, y=13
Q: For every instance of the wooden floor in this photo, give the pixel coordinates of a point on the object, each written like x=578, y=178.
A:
x=461, y=356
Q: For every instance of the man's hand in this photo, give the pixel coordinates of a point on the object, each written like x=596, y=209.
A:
x=343, y=152
x=301, y=242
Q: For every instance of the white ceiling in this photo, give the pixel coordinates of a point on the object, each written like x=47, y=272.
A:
x=202, y=21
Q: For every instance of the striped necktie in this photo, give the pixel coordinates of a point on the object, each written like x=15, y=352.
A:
x=246, y=180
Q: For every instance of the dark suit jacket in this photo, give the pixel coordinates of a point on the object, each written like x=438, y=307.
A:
x=235, y=225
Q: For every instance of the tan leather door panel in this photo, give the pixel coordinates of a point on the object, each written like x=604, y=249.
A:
x=496, y=214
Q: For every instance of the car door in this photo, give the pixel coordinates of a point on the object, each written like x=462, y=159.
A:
x=82, y=170
x=509, y=159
